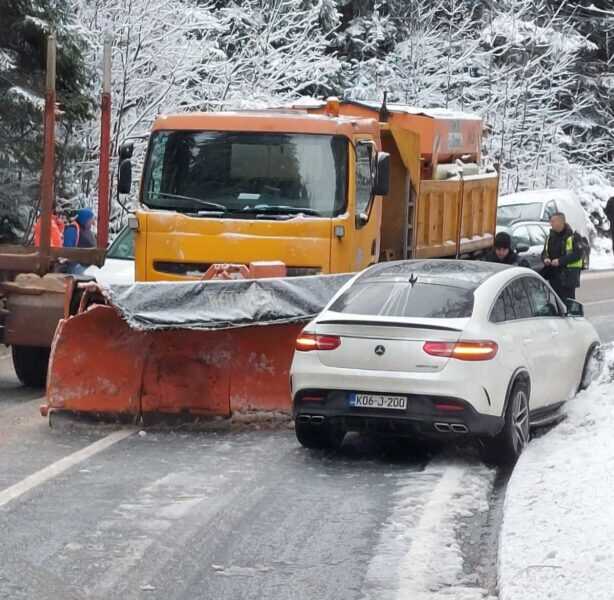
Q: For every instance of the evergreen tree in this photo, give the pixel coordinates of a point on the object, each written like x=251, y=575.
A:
x=24, y=27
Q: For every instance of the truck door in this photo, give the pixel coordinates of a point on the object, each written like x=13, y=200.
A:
x=355, y=239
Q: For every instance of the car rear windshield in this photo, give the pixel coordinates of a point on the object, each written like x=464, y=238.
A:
x=402, y=299
x=519, y=212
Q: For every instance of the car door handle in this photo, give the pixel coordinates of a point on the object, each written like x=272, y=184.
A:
x=555, y=332
x=528, y=340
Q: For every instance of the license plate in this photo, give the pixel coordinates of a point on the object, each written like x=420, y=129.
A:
x=378, y=401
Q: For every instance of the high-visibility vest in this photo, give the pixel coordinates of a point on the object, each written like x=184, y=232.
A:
x=57, y=231
x=576, y=264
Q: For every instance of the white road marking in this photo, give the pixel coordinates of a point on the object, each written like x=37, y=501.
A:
x=601, y=274
x=597, y=302
x=58, y=467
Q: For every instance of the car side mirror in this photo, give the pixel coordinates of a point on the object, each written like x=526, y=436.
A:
x=522, y=248
x=124, y=177
x=381, y=184
x=574, y=308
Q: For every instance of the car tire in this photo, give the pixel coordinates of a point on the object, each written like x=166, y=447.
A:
x=593, y=365
x=506, y=447
x=319, y=437
x=30, y=364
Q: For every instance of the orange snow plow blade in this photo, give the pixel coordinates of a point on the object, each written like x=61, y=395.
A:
x=95, y=364
x=102, y=365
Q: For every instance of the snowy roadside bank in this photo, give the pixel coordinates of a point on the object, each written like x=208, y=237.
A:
x=602, y=262
x=556, y=537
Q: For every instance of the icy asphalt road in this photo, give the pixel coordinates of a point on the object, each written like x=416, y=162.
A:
x=246, y=515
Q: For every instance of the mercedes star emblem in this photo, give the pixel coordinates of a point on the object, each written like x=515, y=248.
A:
x=380, y=350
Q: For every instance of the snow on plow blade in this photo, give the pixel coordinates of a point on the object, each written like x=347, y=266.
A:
x=201, y=349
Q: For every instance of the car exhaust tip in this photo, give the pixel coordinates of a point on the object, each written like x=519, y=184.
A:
x=450, y=427
x=317, y=420
x=459, y=428
x=303, y=418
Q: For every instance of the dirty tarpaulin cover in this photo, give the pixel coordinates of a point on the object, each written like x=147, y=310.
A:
x=223, y=304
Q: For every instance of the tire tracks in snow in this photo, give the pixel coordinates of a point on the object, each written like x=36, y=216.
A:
x=421, y=551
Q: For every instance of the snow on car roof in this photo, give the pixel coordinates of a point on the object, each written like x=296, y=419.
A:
x=520, y=223
x=532, y=196
x=463, y=273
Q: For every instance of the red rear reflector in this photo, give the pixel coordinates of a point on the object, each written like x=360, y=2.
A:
x=312, y=398
x=449, y=407
x=310, y=341
x=482, y=350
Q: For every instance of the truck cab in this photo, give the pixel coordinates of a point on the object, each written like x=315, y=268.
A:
x=241, y=187
x=328, y=187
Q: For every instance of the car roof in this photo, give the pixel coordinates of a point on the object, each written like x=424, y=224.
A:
x=460, y=273
x=519, y=222
x=535, y=197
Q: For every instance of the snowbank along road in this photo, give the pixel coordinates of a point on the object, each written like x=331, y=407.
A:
x=100, y=513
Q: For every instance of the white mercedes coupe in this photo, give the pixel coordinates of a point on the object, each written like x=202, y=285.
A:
x=441, y=348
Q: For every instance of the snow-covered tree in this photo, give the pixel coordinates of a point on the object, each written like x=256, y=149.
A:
x=538, y=71
x=24, y=28
x=532, y=98
x=273, y=50
x=184, y=55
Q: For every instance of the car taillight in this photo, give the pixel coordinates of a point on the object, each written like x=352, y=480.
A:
x=311, y=341
x=443, y=349
x=482, y=350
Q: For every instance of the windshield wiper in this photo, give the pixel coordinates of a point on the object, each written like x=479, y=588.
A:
x=279, y=209
x=207, y=203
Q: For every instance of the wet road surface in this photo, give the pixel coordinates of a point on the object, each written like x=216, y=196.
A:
x=89, y=513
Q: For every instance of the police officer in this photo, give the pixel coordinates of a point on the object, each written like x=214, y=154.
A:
x=562, y=258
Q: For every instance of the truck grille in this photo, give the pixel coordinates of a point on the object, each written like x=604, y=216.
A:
x=197, y=269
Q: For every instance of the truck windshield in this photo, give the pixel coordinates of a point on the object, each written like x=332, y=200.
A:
x=246, y=173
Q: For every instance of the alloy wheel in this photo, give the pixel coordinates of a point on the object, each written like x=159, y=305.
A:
x=520, y=420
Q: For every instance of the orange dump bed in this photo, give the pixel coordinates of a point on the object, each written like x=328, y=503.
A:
x=444, y=133
x=433, y=209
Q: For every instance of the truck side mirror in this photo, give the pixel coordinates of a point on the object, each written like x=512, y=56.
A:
x=124, y=177
x=381, y=185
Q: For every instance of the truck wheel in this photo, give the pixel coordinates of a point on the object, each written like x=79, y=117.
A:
x=505, y=449
x=318, y=437
x=30, y=364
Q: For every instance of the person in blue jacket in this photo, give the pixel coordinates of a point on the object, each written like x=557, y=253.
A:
x=79, y=233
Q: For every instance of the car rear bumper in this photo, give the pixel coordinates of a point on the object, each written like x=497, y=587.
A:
x=421, y=418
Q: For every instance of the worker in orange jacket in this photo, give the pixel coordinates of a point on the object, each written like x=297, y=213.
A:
x=57, y=231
